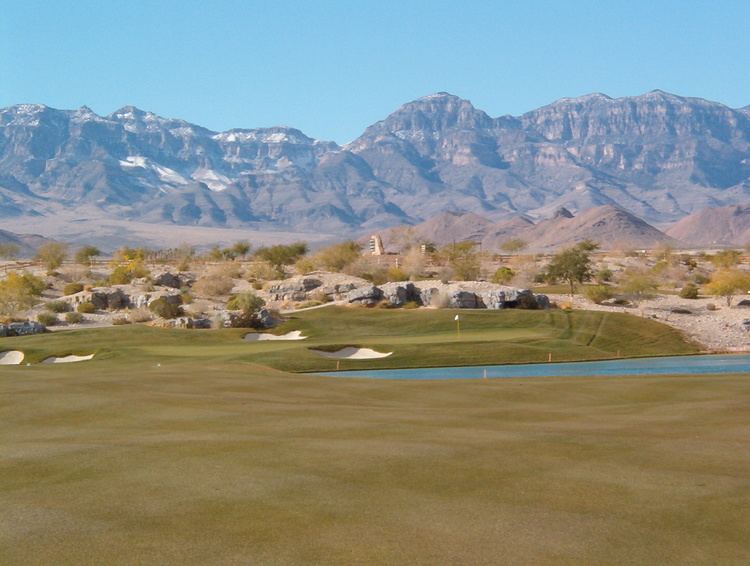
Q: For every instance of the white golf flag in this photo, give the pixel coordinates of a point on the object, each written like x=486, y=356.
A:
x=456, y=317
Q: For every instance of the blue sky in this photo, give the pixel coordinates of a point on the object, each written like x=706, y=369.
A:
x=331, y=68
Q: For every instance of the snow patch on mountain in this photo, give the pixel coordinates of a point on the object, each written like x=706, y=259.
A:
x=213, y=180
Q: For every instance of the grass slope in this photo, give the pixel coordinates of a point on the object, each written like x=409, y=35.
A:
x=178, y=447
x=418, y=338
x=225, y=462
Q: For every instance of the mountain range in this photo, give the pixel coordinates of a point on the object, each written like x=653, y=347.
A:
x=658, y=156
x=608, y=226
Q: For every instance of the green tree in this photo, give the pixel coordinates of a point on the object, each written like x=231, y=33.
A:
x=282, y=255
x=463, y=259
x=85, y=254
x=638, y=284
x=503, y=275
x=727, y=283
x=246, y=302
x=241, y=248
x=51, y=255
x=572, y=265
x=19, y=291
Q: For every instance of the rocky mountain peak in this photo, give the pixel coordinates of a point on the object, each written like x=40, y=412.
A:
x=562, y=212
x=429, y=117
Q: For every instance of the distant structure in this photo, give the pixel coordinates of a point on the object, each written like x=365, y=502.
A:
x=376, y=245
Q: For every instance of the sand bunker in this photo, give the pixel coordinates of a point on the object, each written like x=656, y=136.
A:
x=11, y=358
x=67, y=359
x=293, y=335
x=351, y=353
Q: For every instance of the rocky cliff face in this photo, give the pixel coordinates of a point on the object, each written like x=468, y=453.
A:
x=658, y=155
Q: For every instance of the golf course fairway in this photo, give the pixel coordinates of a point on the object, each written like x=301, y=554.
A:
x=197, y=447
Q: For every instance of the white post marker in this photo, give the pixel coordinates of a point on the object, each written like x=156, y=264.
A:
x=458, y=325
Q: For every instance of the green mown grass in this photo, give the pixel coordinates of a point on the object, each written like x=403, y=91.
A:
x=179, y=447
x=417, y=338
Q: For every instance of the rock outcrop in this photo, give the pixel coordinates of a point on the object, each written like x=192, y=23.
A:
x=21, y=328
x=463, y=295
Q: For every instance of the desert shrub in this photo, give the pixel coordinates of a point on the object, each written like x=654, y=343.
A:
x=320, y=296
x=187, y=297
x=124, y=274
x=47, y=318
x=462, y=258
x=395, y=273
x=513, y=245
x=280, y=255
x=245, y=302
x=597, y=293
x=711, y=307
x=689, y=291
x=604, y=275
x=57, y=306
x=120, y=321
x=263, y=271
x=414, y=263
x=727, y=283
x=163, y=308
x=139, y=315
x=700, y=279
x=19, y=291
x=365, y=268
x=338, y=256
x=73, y=317
x=305, y=265
x=51, y=255
x=411, y=305
x=638, y=284
x=726, y=259
x=213, y=285
x=85, y=254
x=257, y=285
x=226, y=269
x=72, y=288
x=86, y=308
x=503, y=275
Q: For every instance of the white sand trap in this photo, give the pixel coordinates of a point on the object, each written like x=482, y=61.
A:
x=67, y=359
x=11, y=358
x=351, y=353
x=293, y=335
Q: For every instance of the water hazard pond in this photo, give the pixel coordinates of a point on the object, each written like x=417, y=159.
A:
x=684, y=365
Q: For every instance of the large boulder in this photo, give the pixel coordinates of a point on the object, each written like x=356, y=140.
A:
x=294, y=289
x=168, y=280
x=22, y=328
x=338, y=291
x=494, y=299
x=368, y=296
x=464, y=300
x=397, y=294
x=144, y=300
x=262, y=318
x=103, y=298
